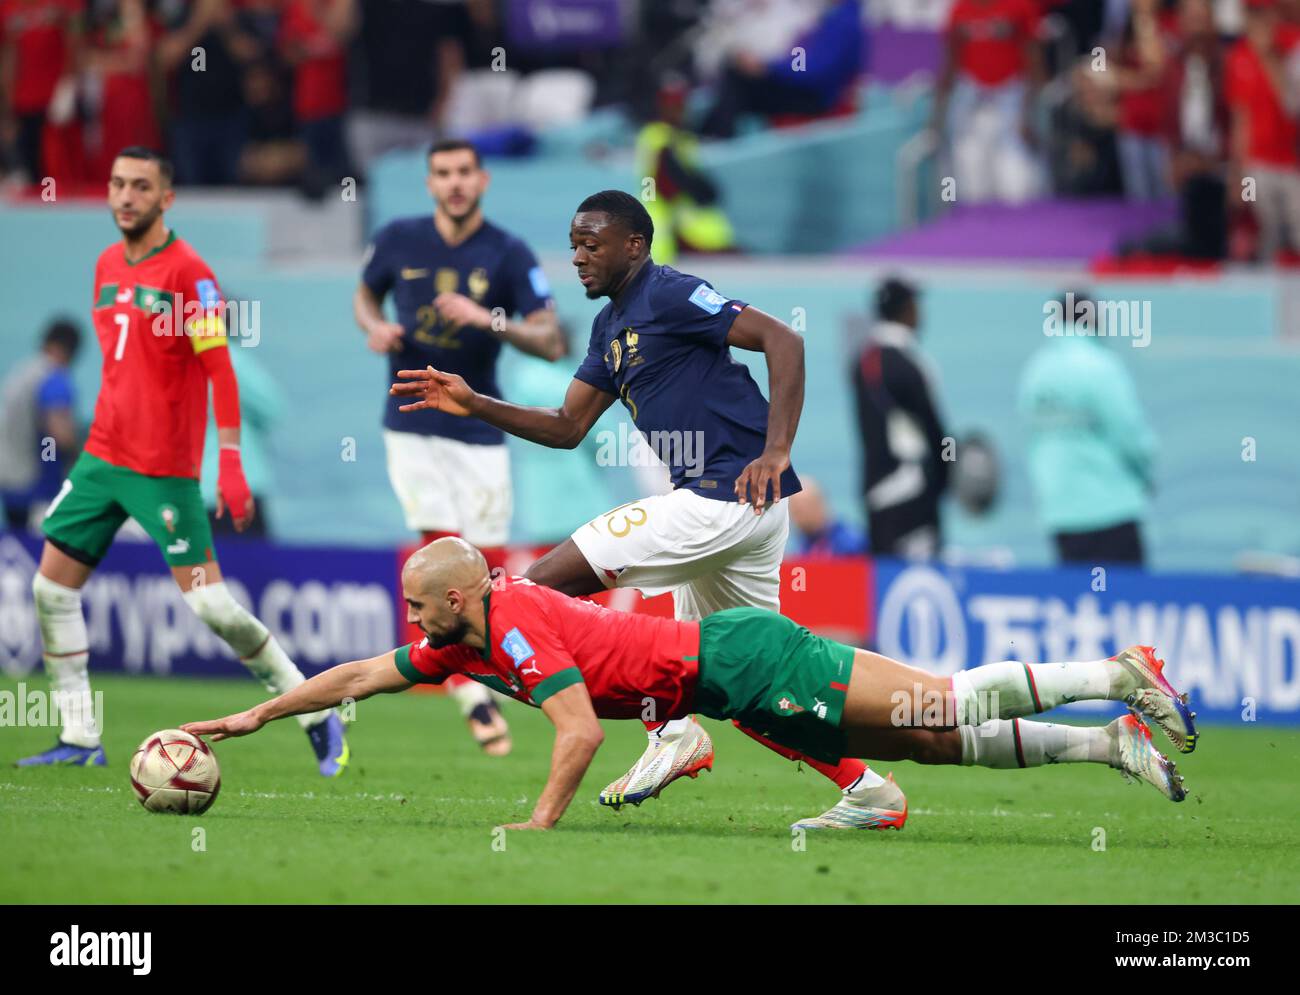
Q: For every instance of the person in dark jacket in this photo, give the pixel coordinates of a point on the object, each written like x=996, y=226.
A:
x=905, y=449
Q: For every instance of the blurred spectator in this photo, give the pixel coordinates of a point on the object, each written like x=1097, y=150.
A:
x=1143, y=65
x=313, y=37
x=118, y=62
x=1196, y=122
x=260, y=407
x=684, y=207
x=1086, y=155
x=203, y=51
x=903, y=440
x=817, y=531
x=410, y=54
x=810, y=76
x=36, y=409
x=272, y=154
x=985, y=99
x=1090, y=447
x=1265, y=105
x=40, y=53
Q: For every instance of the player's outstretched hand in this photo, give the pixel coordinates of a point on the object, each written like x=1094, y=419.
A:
x=239, y=724
x=525, y=825
x=752, y=484
x=437, y=391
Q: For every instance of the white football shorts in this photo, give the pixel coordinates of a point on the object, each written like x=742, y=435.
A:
x=445, y=485
x=710, y=554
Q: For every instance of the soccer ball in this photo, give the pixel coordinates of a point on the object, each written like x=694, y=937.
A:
x=173, y=771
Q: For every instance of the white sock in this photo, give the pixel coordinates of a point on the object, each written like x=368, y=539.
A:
x=867, y=780
x=469, y=695
x=1010, y=743
x=251, y=641
x=1010, y=689
x=669, y=730
x=67, y=653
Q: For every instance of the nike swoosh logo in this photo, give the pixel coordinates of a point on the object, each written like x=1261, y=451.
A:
x=414, y=274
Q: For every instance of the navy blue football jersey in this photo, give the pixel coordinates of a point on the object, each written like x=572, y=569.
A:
x=662, y=350
x=410, y=260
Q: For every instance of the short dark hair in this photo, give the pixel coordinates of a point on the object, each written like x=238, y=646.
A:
x=1082, y=302
x=165, y=167
x=64, y=333
x=624, y=208
x=893, y=297
x=453, y=145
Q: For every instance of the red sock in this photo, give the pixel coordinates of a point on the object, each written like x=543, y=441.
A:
x=848, y=770
x=428, y=537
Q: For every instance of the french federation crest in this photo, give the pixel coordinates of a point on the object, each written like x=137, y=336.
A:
x=478, y=283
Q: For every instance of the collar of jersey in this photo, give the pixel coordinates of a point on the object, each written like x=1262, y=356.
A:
x=631, y=288
x=171, y=237
x=487, y=627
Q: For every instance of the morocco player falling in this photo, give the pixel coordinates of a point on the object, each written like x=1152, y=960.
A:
x=159, y=318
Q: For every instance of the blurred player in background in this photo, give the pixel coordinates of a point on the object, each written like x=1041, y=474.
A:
x=663, y=346
x=457, y=280
x=1091, y=449
x=159, y=317
x=905, y=473
x=38, y=430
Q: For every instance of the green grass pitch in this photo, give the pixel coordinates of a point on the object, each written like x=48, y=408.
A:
x=412, y=821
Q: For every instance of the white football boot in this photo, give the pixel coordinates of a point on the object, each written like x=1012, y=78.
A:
x=881, y=807
x=1148, y=693
x=1133, y=753
x=666, y=758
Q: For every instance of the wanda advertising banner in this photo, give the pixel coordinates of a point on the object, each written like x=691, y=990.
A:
x=1232, y=642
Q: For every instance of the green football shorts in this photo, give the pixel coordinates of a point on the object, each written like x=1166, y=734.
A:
x=98, y=497
x=775, y=677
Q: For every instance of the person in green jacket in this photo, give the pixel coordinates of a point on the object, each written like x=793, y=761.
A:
x=1091, y=449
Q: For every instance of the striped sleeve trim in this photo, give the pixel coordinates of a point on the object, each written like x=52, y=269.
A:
x=402, y=657
x=557, y=682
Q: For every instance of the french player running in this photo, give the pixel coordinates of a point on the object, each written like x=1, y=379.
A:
x=662, y=345
x=158, y=314
x=456, y=280
x=580, y=662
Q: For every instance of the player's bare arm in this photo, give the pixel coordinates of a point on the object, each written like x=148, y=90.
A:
x=577, y=738
x=783, y=349
x=382, y=335
x=538, y=334
x=557, y=428
x=356, y=680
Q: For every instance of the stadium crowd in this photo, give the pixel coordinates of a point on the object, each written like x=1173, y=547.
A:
x=1149, y=99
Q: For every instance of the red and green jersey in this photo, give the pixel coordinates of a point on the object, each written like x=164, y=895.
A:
x=540, y=641
x=154, y=318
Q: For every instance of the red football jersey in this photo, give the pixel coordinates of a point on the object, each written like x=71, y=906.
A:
x=540, y=641
x=154, y=317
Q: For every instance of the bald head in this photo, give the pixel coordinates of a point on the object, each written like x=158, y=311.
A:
x=444, y=564
x=444, y=584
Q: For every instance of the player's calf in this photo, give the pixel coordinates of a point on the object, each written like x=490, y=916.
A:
x=258, y=650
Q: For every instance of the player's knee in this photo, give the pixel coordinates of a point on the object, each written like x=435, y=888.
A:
x=53, y=599
x=220, y=612
x=935, y=746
